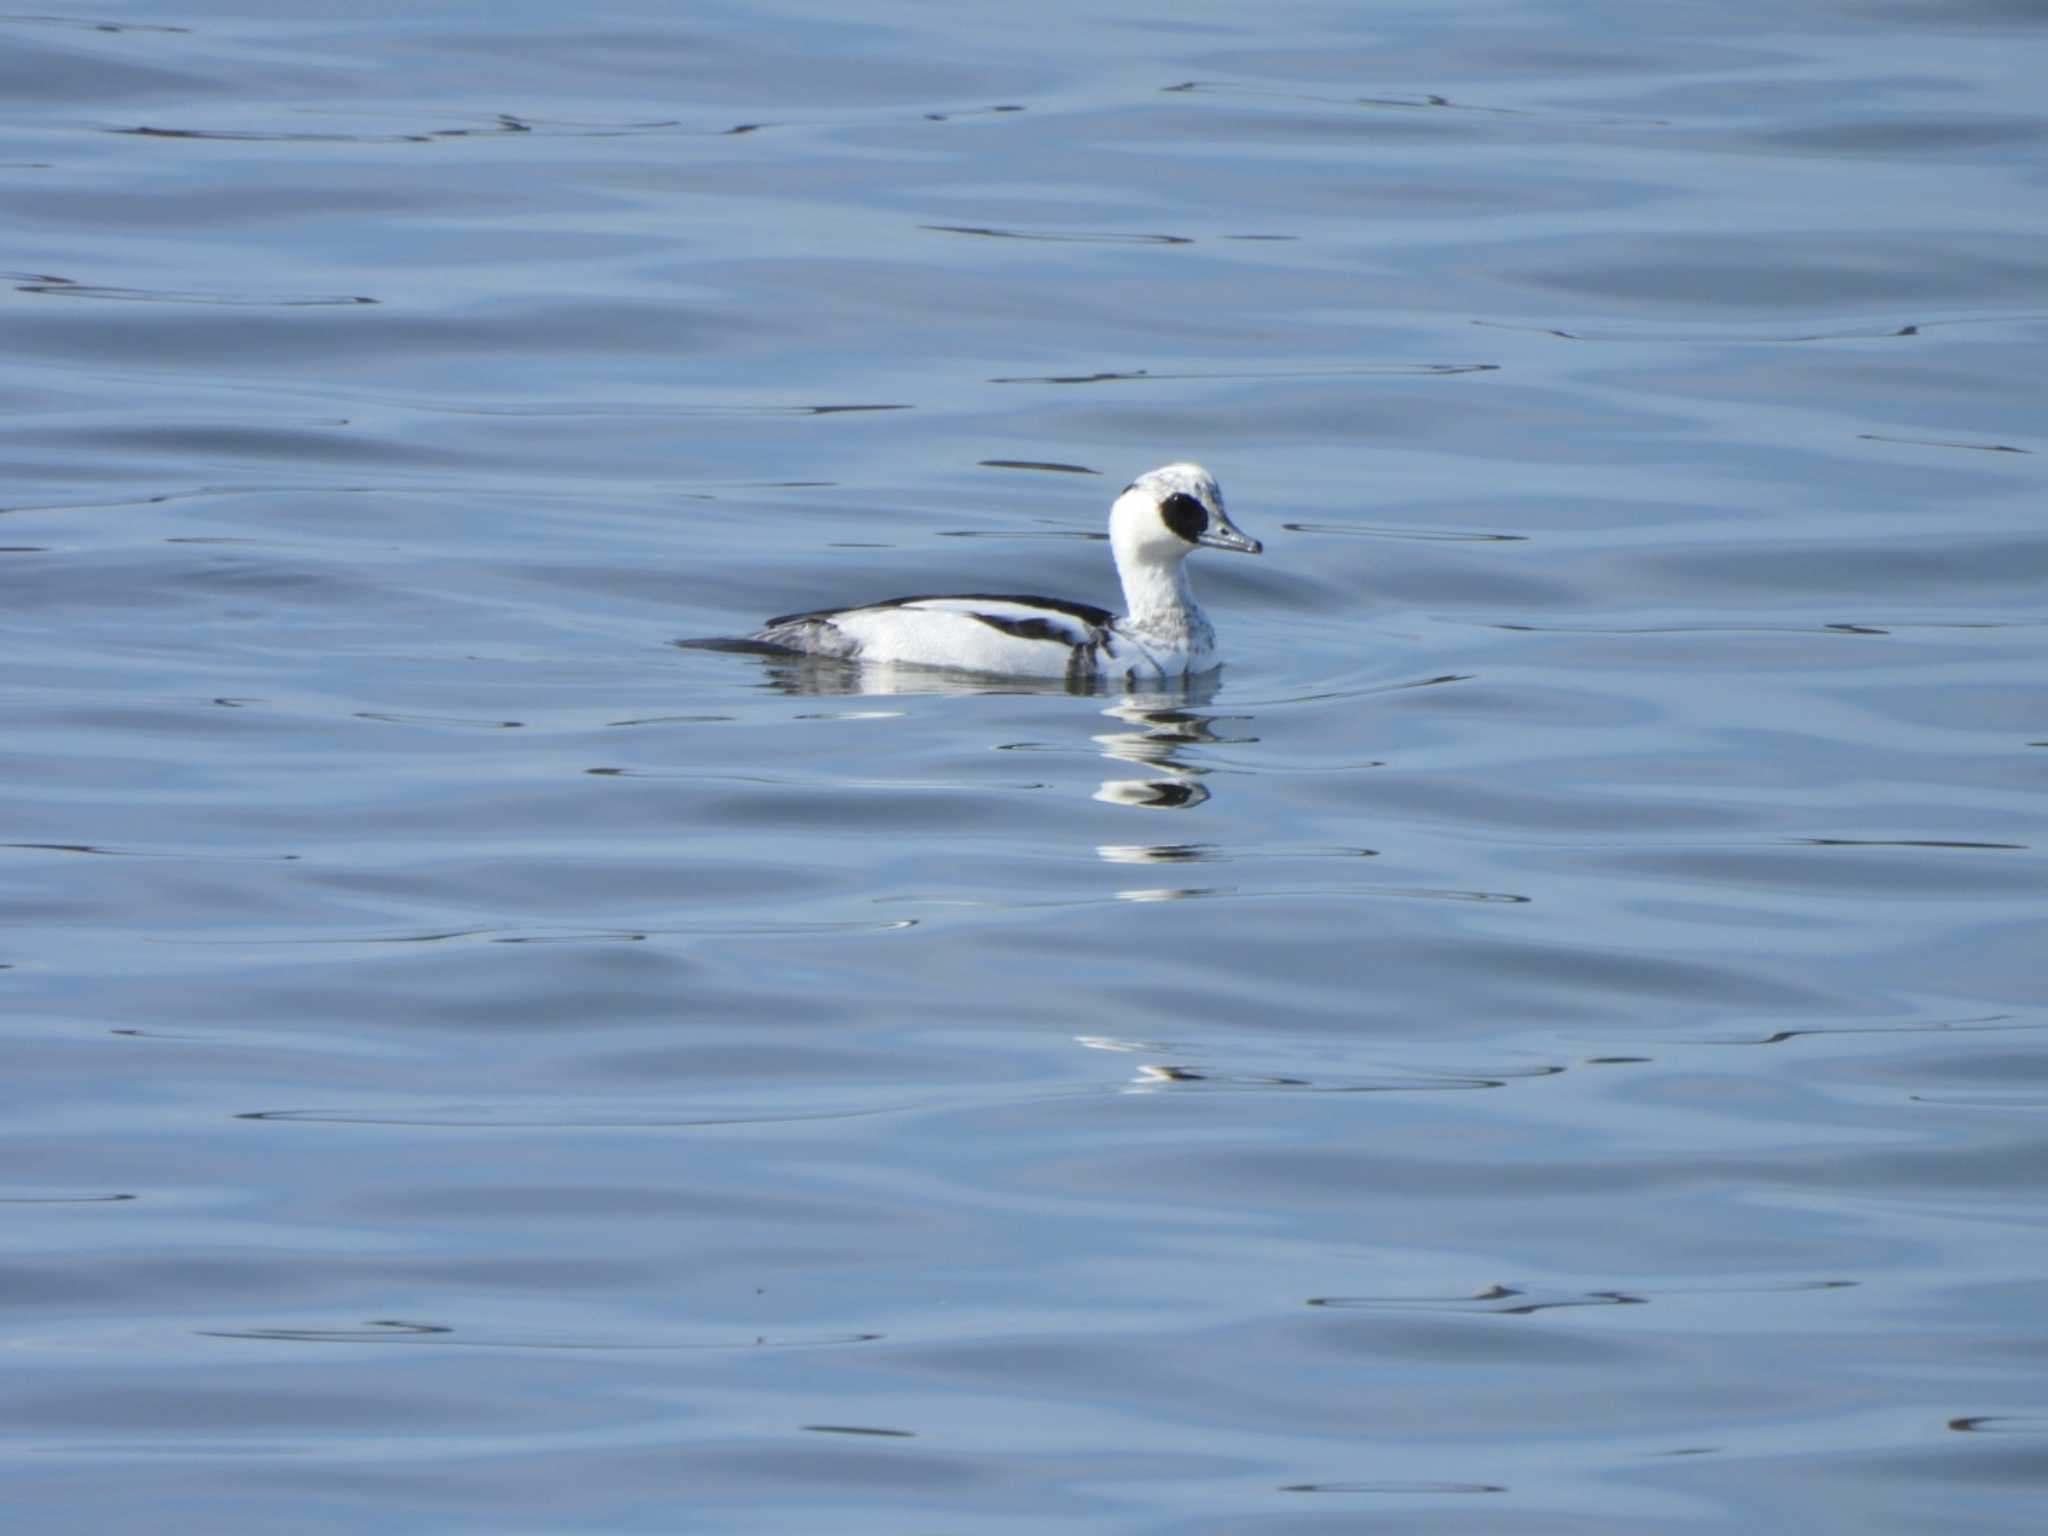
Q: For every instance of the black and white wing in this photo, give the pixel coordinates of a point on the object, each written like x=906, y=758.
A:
x=981, y=631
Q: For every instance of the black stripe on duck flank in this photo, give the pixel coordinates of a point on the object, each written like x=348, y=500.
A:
x=1087, y=613
x=1030, y=629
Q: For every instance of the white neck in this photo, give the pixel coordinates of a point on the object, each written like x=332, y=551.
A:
x=1157, y=596
x=1159, y=606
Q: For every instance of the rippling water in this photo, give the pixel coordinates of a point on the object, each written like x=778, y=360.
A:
x=1548, y=1039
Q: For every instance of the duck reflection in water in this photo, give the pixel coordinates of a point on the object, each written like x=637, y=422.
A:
x=1158, y=729
x=1155, y=725
x=1162, y=1076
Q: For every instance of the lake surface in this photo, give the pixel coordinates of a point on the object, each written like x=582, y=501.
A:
x=1550, y=1038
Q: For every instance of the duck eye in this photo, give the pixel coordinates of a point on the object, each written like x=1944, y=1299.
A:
x=1184, y=515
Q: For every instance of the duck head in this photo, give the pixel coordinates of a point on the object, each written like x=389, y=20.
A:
x=1166, y=513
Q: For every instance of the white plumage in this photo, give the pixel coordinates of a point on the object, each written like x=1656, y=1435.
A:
x=1158, y=521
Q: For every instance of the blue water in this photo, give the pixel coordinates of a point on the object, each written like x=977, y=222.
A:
x=1548, y=1039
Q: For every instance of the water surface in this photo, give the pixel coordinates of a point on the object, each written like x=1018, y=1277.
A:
x=1547, y=1039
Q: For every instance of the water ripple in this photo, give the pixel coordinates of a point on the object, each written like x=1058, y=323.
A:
x=1419, y=101
x=1187, y=893
x=2001, y=1424
x=1149, y=376
x=1072, y=238
x=708, y=928
x=608, y=1114
x=1394, y=1485
x=1513, y=1301
x=1936, y=442
x=1991, y=1023
x=84, y=24
x=397, y=1331
x=69, y=288
x=65, y=1199
x=857, y=1429
x=1433, y=535
x=500, y=125
x=157, y=853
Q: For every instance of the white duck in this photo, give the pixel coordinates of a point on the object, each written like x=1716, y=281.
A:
x=1153, y=527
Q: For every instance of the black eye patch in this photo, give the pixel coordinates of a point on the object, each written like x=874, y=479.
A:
x=1184, y=515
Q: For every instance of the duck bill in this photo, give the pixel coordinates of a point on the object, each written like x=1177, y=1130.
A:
x=1223, y=535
